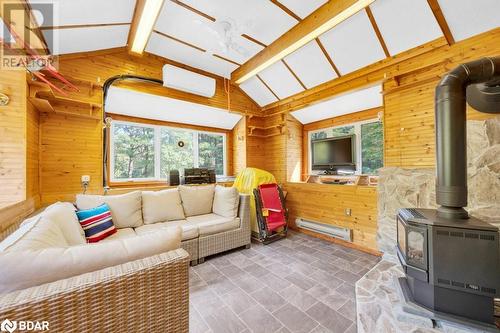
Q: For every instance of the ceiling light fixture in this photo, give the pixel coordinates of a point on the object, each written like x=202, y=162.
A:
x=313, y=34
x=148, y=11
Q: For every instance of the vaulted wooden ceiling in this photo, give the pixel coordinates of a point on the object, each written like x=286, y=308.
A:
x=218, y=36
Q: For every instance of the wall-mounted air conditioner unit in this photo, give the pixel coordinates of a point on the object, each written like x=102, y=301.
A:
x=191, y=82
x=325, y=229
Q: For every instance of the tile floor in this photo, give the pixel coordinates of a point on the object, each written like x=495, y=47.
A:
x=299, y=284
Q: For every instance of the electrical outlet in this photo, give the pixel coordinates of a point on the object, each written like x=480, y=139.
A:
x=348, y=212
x=85, y=179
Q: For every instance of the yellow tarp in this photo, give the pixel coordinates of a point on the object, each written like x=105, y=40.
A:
x=246, y=181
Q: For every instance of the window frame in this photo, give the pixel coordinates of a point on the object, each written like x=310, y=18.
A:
x=157, y=150
x=357, y=134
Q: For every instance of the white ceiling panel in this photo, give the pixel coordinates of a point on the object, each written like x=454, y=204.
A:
x=405, y=24
x=311, y=65
x=467, y=18
x=79, y=12
x=281, y=80
x=63, y=41
x=5, y=33
x=353, y=44
x=260, y=19
x=168, y=48
x=184, y=24
x=303, y=8
x=131, y=103
x=257, y=91
x=349, y=103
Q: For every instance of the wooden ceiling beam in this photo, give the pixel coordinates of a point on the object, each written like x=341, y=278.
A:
x=377, y=31
x=35, y=28
x=267, y=86
x=227, y=60
x=363, y=77
x=286, y=10
x=327, y=56
x=194, y=10
x=250, y=38
x=179, y=40
x=140, y=7
x=24, y=24
x=324, y=18
x=294, y=74
x=438, y=14
x=299, y=19
x=78, y=26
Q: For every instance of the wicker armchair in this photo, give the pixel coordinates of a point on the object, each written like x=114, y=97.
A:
x=147, y=295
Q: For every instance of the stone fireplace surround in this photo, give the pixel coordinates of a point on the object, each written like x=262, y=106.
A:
x=379, y=304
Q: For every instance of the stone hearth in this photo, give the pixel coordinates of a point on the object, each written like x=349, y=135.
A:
x=379, y=305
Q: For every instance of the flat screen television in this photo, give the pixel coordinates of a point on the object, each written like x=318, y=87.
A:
x=333, y=153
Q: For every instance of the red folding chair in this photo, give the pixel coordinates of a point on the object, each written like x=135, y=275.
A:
x=271, y=213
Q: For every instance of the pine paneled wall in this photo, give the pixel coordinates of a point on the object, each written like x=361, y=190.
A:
x=13, y=123
x=44, y=151
x=408, y=117
x=327, y=203
x=33, y=154
x=71, y=137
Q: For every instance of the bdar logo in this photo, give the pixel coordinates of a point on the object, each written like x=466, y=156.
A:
x=8, y=326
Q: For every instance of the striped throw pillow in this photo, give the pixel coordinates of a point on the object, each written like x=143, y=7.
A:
x=96, y=222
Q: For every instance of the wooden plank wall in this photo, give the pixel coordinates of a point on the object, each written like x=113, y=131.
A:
x=256, y=143
x=33, y=154
x=294, y=151
x=327, y=204
x=72, y=144
x=13, y=138
x=239, y=146
x=71, y=147
x=408, y=116
x=409, y=101
x=98, y=66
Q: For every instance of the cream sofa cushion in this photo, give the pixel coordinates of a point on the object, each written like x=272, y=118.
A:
x=197, y=200
x=189, y=231
x=30, y=268
x=162, y=206
x=126, y=209
x=120, y=234
x=210, y=224
x=226, y=200
x=63, y=214
x=39, y=233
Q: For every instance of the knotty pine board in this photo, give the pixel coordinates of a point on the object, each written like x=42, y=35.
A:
x=33, y=154
x=13, y=138
x=327, y=203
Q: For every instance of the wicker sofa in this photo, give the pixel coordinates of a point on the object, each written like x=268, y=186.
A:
x=213, y=219
x=142, y=286
x=49, y=273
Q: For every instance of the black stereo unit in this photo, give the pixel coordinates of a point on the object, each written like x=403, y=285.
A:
x=199, y=176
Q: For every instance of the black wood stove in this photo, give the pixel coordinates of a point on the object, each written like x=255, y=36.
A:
x=451, y=260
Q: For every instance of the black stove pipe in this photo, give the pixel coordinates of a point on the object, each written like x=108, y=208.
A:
x=483, y=78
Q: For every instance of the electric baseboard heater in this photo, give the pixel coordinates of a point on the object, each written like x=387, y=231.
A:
x=325, y=229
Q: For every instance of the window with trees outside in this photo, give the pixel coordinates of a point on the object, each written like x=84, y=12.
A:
x=148, y=152
x=369, y=143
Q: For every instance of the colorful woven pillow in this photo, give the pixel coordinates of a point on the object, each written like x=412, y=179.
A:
x=96, y=223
